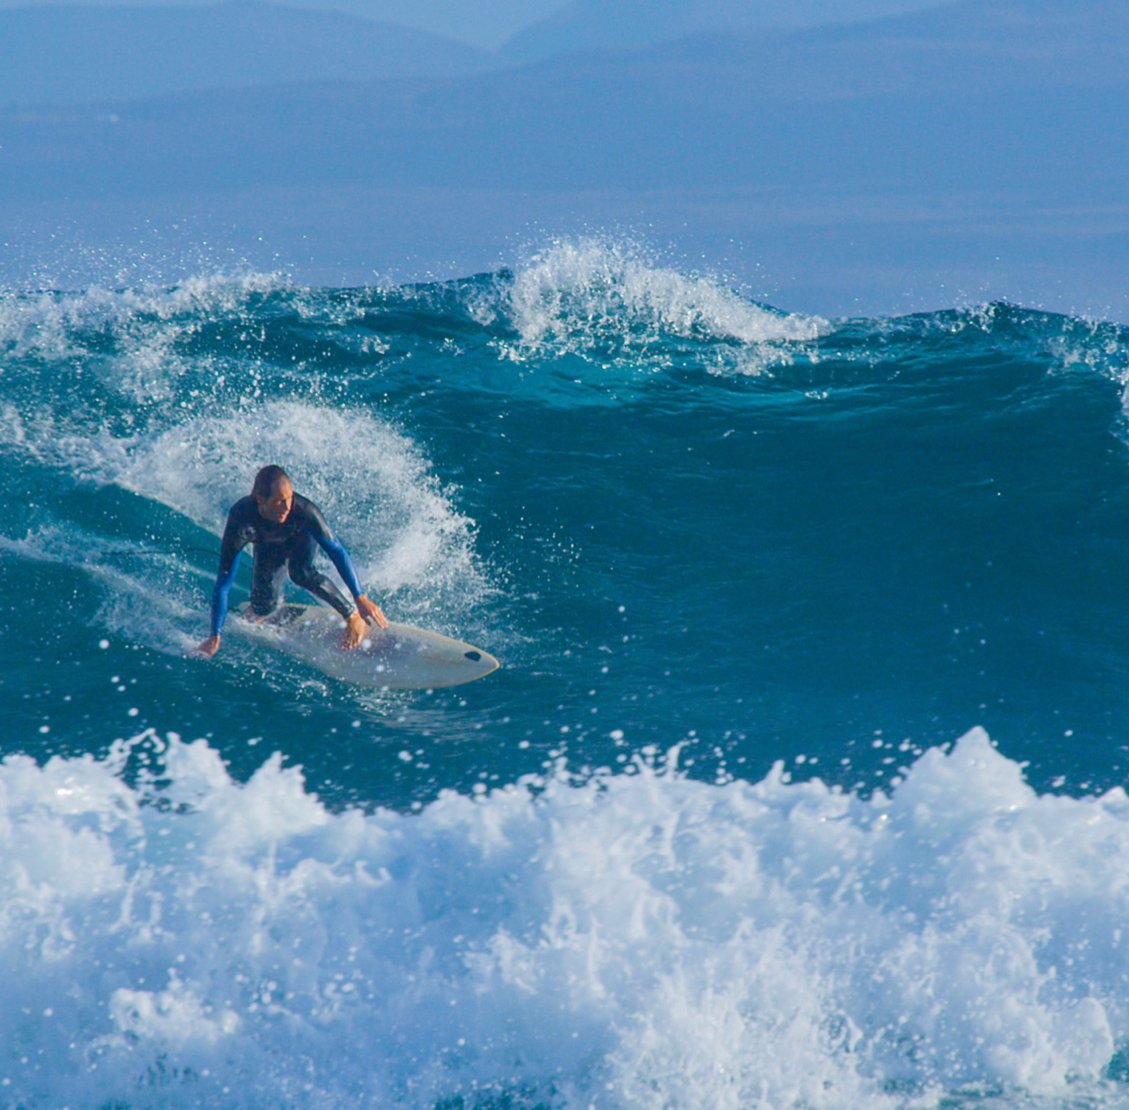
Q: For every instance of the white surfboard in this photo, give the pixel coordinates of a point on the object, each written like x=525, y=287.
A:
x=399, y=657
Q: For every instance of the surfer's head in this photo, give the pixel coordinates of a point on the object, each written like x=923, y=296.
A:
x=273, y=493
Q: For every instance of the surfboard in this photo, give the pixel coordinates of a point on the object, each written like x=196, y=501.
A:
x=399, y=657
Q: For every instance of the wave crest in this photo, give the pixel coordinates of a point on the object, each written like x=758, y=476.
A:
x=592, y=293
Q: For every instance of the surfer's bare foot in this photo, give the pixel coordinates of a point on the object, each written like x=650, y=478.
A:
x=355, y=628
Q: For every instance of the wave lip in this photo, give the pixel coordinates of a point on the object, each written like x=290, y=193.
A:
x=592, y=291
x=640, y=940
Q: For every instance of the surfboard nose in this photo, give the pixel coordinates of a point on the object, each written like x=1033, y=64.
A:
x=485, y=662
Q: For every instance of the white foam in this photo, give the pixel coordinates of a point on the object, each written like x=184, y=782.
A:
x=640, y=941
x=584, y=292
x=129, y=337
x=12, y=431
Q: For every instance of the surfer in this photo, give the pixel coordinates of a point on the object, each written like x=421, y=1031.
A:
x=284, y=526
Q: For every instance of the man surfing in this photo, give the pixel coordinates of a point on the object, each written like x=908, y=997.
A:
x=284, y=527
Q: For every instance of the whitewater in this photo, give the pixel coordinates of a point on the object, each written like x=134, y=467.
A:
x=802, y=781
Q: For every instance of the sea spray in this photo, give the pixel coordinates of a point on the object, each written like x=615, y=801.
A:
x=588, y=292
x=633, y=940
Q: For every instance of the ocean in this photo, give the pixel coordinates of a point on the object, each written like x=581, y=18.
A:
x=801, y=783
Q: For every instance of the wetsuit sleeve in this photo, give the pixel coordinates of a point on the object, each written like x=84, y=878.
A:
x=333, y=547
x=340, y=559
x=230, y=550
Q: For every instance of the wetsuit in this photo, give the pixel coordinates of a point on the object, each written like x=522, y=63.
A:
x=279, y=547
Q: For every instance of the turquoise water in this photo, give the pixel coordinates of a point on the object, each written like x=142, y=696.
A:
x=726, y=829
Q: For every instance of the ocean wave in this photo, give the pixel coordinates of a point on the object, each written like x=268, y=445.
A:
x=54, y=323
x=593, y=294
x=171, y=936
x=729, y=559
x=596, y=315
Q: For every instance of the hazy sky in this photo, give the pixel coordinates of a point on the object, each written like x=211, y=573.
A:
x=482, y=22
x=971, y=155
x=489, y=23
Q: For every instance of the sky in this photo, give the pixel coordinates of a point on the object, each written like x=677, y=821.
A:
x=974, y=153
x=489, y=23
x=486, y=23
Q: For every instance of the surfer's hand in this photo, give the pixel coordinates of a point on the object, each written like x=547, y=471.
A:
x=209, y=647
x=372, y=612
x=355, y=628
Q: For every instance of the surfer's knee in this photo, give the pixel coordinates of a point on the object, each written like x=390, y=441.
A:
x=304, y=575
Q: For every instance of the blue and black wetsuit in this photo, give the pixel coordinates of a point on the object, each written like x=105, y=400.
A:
x=279, y=547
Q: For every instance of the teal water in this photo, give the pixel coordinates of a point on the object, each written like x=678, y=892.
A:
x=797, y=558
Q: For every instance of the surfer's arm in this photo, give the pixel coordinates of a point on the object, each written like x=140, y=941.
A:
x=339, y=557
x=368, y=610
x=231, y=548
x=224, y=581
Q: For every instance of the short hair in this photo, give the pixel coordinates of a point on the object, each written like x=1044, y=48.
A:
x=267, y=479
